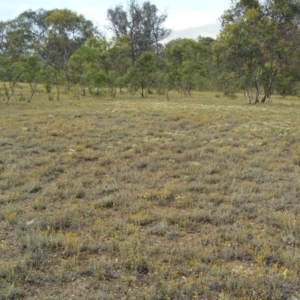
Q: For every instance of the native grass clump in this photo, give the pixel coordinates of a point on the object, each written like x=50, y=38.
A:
x=148, y=199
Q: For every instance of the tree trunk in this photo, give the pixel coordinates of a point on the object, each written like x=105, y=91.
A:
x=114, y=92
x=57, y=92
x=33, y=87
x=247, y=95
x=167, y=94
x=83, y=91
x=21, y=91
x=142, y=93
x=257, y=90
x=268, y=90
x=282, y=93
x=267, y=94
x=189, y=90
x=11, y=88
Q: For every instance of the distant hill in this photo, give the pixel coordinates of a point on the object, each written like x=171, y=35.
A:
x=209, y=30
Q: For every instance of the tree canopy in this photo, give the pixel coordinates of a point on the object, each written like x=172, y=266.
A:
x=256, y=51
x=258, y=42
x=142, y=23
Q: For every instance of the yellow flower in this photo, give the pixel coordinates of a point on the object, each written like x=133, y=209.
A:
x=285, y=273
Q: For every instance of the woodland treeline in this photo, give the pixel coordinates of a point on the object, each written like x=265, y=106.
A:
x=256, y=51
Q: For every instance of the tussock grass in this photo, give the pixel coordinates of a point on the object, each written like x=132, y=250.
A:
x=196, y=198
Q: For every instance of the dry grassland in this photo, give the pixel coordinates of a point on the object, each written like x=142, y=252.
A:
x=195, y=198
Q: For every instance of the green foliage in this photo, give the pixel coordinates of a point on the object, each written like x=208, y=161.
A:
x=228, y=83
x=52, y=77
x=29, y=68
x=255, y=51
x=254, y=44
x=142, y=24
x=185, y=65
x=65, y=33
x=63, y=20
x=142, y=73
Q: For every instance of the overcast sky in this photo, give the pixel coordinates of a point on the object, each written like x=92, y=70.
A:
x=181, y=13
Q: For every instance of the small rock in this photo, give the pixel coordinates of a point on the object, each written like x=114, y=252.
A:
x=30, y=222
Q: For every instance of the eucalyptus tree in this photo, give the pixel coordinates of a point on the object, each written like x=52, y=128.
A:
x=239, y=49
x=89, y=67
x=29, y=68
x=66, y=32
x=285, y=17
x=78, y=69
x=184, y=65
x=142, y=23
x=8, y=76
x=238, y=10
x=99, y=63
x=12, y=46
x=19, y=38
x=52, y=36
x=207, y=78
x=118, y=56
x=31, y=28
x=142, y=74
x=257, y=42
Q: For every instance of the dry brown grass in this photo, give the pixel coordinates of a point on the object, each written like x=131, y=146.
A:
x=196, y=198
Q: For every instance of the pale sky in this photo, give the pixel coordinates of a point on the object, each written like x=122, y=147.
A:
x=181, y=14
